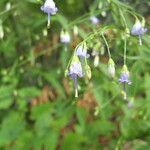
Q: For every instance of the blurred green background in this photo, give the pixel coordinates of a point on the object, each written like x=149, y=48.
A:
x=38, y=110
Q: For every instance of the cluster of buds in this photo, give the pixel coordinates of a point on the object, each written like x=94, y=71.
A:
x=78, y=67
x=81, y=52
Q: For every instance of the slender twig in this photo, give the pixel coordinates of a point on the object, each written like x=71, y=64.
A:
x=125, y=50
x=106, y=45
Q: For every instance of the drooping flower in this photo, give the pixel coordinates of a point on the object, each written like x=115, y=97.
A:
x=94, y=20
x=96, y=61
x=138, y=30
x=75, y=72
x=65, y=37
x=81, y=51
x=111, y=68
x=124, y=79
x=76, y=68
x=49, y=8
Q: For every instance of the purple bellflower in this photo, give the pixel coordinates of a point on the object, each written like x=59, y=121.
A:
x=81, y=51
x=125, y=79
x=49, y=8
x=65, y=37
x=138, y=30
x=75, y=72
x=94, y=20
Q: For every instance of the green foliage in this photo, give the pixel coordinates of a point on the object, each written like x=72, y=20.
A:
x=38, y=110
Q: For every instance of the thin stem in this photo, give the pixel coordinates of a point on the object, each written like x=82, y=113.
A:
x=48, y=21
x=140, y=40
x=76, y=92
x=125, y=50
x=134, y=14
x=84, y=18
x=123, y=18
x=97, y=32
x=75, y=80
x=106, y=45
x=125, y=91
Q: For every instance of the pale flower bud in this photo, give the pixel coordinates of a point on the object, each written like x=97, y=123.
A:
x=75, y=31
x=88, y=71
x=96, y=61
x=111, y=68
x=1, y=30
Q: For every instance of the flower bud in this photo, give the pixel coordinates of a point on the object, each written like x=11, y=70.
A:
x=96, y=61
x=125, y=69
x=143, y=22
x=100, y=5
x=124, y=95
x=81, y=51
x=1, y=30
x=111, y=68
x=8, y=6
x=94, y=20
x=75, y=31
x=102, y=50
x=97, y=110
x=127, y=32
x=88, y=71
x=66, y=72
